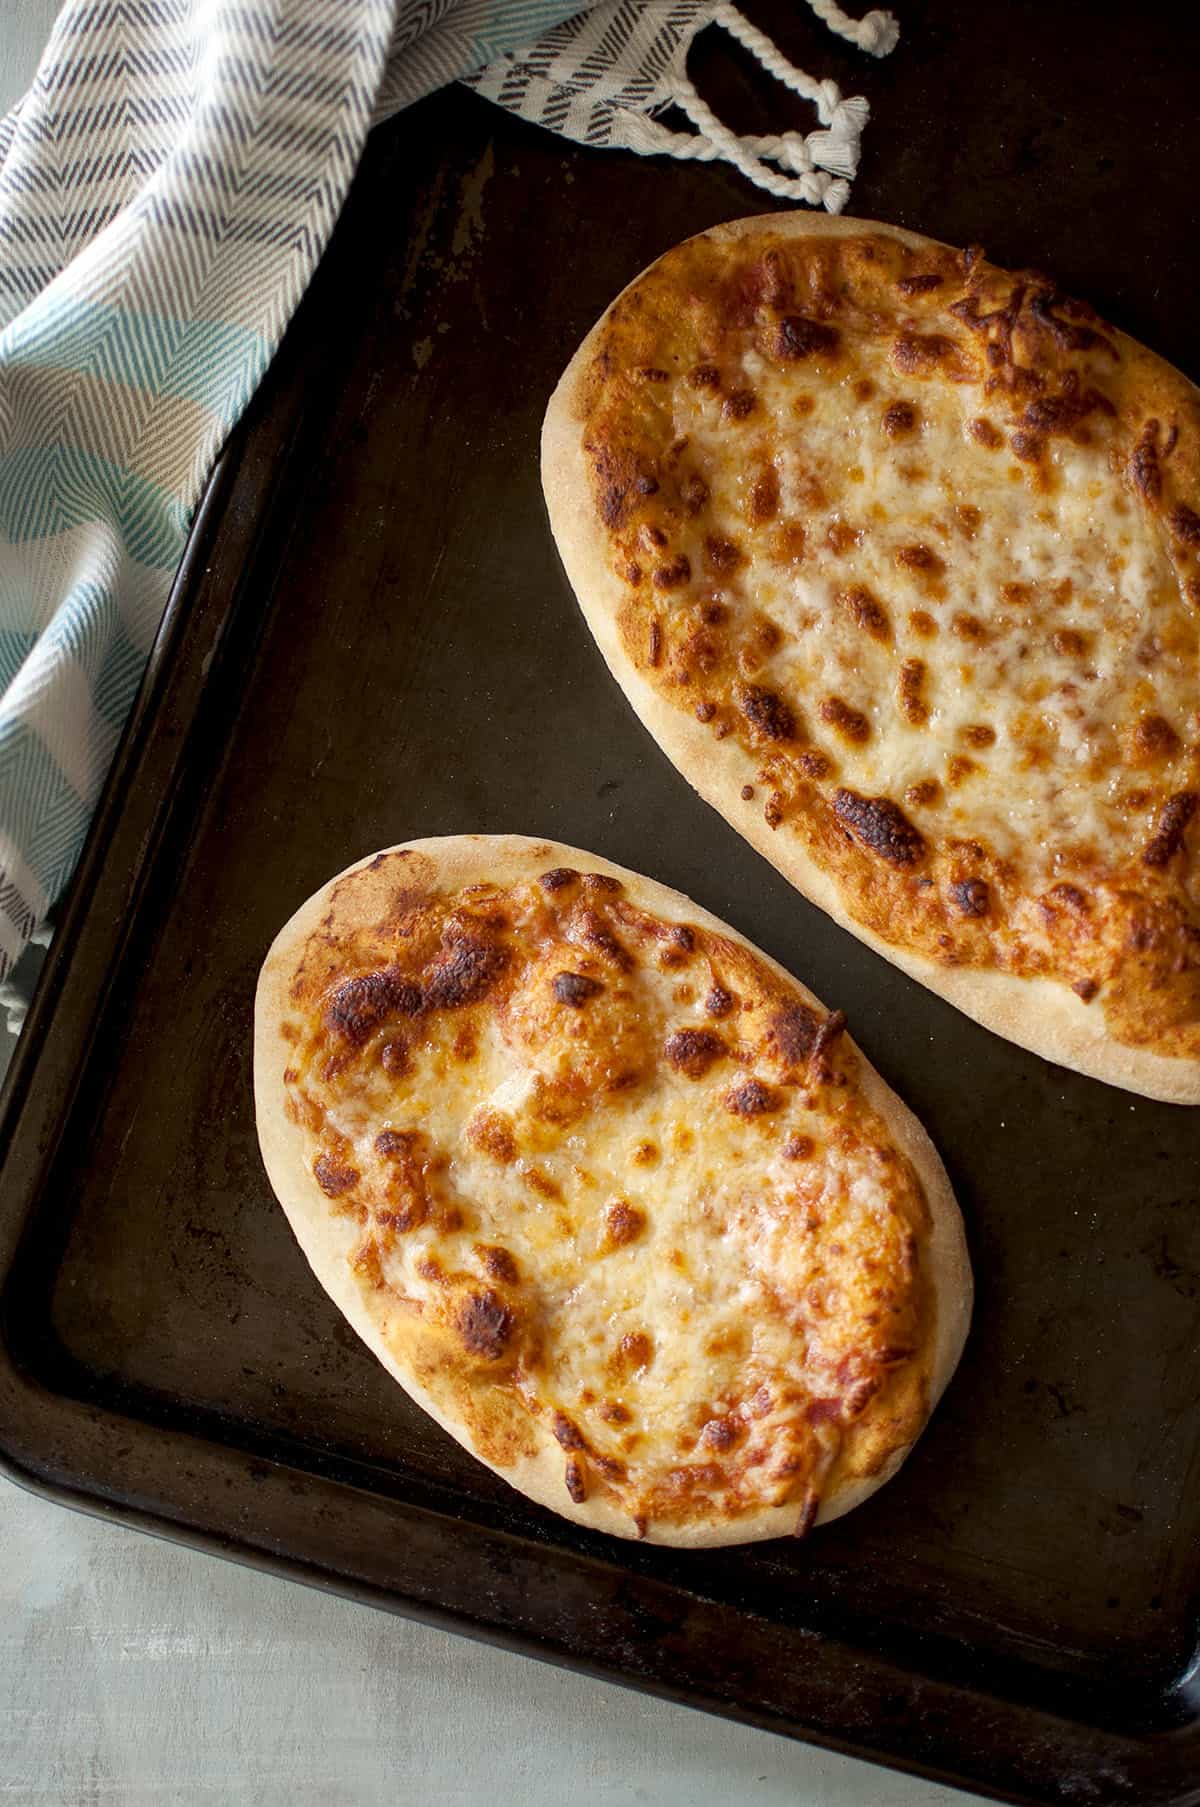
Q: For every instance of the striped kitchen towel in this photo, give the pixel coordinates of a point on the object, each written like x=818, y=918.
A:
x=167, y=186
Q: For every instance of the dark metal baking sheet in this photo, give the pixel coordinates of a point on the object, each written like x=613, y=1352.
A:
x=372, y=639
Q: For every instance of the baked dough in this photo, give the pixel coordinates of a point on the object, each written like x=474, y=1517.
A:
x=897, y=556
x=606, y=1190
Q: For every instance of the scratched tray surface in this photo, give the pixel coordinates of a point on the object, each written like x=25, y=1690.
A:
x=375, y=641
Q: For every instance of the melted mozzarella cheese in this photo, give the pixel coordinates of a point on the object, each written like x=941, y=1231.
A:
x=772, y=1259
x=1048, y=613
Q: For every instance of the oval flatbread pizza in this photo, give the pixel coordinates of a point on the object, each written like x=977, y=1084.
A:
x=897, y=555
x=606, y=1190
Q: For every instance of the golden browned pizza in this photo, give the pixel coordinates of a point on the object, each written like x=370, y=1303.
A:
x=606, y=1190
x=897, y=555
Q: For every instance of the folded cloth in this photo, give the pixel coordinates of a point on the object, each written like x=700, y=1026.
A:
x=167, y=187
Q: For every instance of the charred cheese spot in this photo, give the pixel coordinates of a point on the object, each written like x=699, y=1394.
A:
x=484, y=1324
x=797, y=338
x=850, y=723
x=358, y=1007
x=541, y=1182
x=752, y=1099
x=590, y=929
x=880, y=825
x=721, y=1433
x=721, y=556
x=787, y=543
x=693, y=1051
x=558, y=878
x=332, y=1179
x=673, y=574
x=395, y=1142
x=766, y=635
x=498, y=1264
x=972, y=896
x=910, y=692
x=985, y=433
x=764, y=498
x=841, y=537
x=813, y=763
x=1185, y=524
x=1170, y=829
x=623, y=1223
x=394, y=1056
x=793, y=1034
x=866, y=612
x=922, y=354
x=575, y=989
x=1145, y=473
x=1151, y=741
x=920, y=282
x=767, y=713
x=919, y=560
x=490, y=1131
x=739, y=404
x=899, y=420
x=462, y=972
x=635, y=1352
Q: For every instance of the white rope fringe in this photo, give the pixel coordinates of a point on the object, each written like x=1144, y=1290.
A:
x=877, y=34
x=818, y=165
x=809, y=185
x=616, y=70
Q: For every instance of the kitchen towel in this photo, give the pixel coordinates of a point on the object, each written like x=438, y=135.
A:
x=167, y=187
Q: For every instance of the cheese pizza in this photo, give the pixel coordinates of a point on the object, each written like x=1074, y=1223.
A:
x=606, y=1190
x=898, y=557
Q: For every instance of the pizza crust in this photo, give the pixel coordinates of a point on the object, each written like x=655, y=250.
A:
x=868, y=1457
x=1038, y=1014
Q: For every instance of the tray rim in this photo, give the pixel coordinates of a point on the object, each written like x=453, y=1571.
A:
x=36, y=1087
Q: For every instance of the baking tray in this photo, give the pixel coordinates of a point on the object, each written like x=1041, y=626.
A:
x=371, y=639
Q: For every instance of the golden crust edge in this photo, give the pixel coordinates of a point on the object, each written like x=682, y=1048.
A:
x=1040, y=1015
x=326, y=1239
